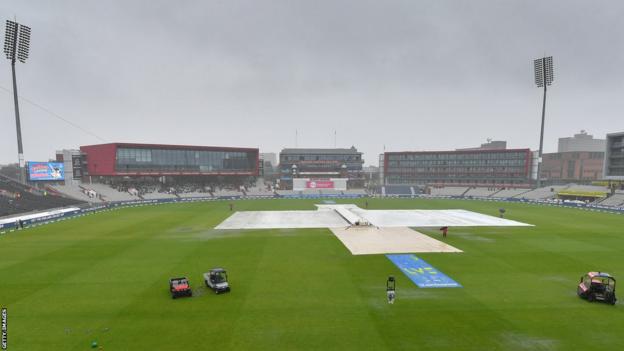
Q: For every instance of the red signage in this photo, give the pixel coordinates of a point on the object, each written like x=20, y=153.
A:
x=319, y=184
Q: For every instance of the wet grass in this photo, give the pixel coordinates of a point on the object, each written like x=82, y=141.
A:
x=104, y=278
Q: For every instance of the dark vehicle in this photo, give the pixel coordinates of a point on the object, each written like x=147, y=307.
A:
x=217, y=280
x=180, y=287
x=597, y=286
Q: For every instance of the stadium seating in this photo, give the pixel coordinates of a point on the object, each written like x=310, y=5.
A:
x=288, y=192
x=505, y=193
x=158, y=195
x=481, y=192
x=75, y=192
x=227, y=192
x=195, y=194
x=126, y=192
x=259, y=190
x=548, y=192
x=135, y=191
x=544, y=193
x=399, y=190
x=111, y=194
x=616, y=200
x=19, y=198
x=449, y=191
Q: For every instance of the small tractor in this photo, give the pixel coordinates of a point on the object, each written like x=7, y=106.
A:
x=217, y=280
x=597, y=286
x=180, y=287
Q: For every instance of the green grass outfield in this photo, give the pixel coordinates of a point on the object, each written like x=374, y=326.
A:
x=105, y=277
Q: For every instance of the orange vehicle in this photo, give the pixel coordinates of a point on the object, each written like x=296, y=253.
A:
x=180, y=287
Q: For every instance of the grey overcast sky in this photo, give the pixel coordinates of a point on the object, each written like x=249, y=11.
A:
x=410, y=75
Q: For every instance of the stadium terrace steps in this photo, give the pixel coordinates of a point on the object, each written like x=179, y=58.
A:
x=505, y=193
x=544, y=193
x=287, y=192
x=110, y=194
x=398, y=190
x=157, y=195
x=74, y=191
x=226, y=192
x=449, y=191
x=496, y=192
x=259, y=191
x=482, y=192
x=616, y=200
x=27, y=201
x=195, y=194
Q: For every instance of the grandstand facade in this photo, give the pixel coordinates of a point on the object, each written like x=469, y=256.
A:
x=321, y=165
x=614, y=157
x=478, y=167
x=155, y=160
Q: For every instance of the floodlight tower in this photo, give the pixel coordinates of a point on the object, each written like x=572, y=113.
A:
x=543, y=78
x=16, y=47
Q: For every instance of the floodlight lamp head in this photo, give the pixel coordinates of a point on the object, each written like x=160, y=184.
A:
x=543, y=71
x=24, y=43
x=16, y=41
x=9, y=39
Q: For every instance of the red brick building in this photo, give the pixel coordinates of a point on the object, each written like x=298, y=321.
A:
x=572, y=166
x=155, y=160
x=471, y=167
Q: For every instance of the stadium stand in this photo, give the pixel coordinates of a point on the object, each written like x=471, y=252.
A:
x=228, y=192
x=133, y=190
x=505, y=193
x=19, y=198
x=111, y=194
x=288, y=192
x=585, y=193
x=260, y=189
x=615, y=200
x=481, y=192
x=449, y=191
x=77, y=192
x=399, y=190
x=548, y=192
x=158, y=195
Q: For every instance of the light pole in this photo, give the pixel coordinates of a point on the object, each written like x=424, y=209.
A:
x=16, y=47
x=543, y=78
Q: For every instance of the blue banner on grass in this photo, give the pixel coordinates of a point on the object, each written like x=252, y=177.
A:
x=422, y=273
